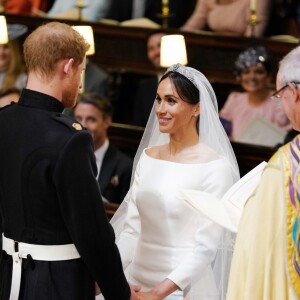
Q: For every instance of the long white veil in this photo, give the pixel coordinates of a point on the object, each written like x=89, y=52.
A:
x=212, y=134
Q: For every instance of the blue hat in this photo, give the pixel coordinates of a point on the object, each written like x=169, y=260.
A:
x=252, y=56
x=16, y=30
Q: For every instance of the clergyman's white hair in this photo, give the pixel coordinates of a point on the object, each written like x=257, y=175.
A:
x=289, y=67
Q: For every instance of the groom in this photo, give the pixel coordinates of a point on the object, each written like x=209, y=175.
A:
x=57, y=241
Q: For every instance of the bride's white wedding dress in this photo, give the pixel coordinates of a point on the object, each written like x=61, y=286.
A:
x=162, y=236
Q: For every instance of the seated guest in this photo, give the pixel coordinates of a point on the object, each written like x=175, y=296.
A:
x=228, y=17
x=254, y=74
x=25, y=7
x=96, y=79
x=180, y=10
x=114, y=167
x=93, y=10
x=146, y=91
x=8, y=96
x=12, y=69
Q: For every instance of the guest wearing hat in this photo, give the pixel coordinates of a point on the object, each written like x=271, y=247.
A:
x=253, y=71
x=12, y=69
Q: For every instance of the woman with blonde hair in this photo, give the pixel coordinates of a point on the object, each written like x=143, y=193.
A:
x=12, y=69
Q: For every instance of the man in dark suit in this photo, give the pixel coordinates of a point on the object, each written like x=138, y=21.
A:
x=57, y=241
x=96, y=79
x=146, y=91
x=114, y=167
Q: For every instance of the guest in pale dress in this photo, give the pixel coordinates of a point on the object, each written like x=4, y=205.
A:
x=12, y=69
x=253, y=71
x=229, y=17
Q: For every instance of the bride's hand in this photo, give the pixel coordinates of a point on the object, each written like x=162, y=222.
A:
x=160, y=291
x=148, y=296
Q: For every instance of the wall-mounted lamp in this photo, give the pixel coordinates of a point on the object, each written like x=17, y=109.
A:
x=3, y=30
x=87, y=33
x=173, y=50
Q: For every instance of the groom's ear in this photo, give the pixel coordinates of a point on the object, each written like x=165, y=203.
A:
x=68, y=65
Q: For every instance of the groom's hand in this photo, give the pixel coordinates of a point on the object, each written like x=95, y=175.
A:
x=97, y=289
x=148, y=296
x=134, y=289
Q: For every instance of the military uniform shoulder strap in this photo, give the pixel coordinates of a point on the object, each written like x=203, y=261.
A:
x=67, y=121
x=7, y=106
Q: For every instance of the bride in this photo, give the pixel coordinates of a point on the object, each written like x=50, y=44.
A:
x=166, y=248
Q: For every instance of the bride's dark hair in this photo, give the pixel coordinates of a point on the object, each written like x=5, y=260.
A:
x=184, y=87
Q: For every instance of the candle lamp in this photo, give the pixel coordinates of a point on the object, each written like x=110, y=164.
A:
x=165, y=8
x=252, y=22
x=88, y=35
x=3, y=30
x=165, y=13
x=80, y=5
x=253, y=18
x=3, y=6
x=168, y=56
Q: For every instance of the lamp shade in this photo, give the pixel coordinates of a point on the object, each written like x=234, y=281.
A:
x=87, y=33
x=173, y=50
x=3, y=30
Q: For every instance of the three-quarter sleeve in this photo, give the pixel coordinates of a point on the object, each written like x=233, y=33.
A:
x=207, y=241
x=208, y=237
x=131, y=230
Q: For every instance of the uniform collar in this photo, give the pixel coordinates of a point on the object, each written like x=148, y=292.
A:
x=39, y=100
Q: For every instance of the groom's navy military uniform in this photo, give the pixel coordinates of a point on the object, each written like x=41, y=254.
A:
x=49, y=195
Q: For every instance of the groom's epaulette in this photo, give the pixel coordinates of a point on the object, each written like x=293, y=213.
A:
x=7, y=106
x=68, y=122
